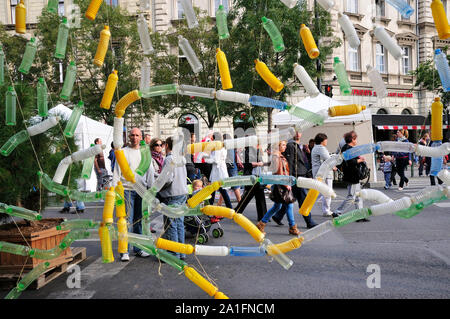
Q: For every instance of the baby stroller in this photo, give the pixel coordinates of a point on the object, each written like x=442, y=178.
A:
x=200, y=225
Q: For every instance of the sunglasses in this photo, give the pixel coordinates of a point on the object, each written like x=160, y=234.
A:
x=160, y=145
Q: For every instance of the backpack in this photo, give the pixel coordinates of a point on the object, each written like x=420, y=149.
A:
x=363, y=171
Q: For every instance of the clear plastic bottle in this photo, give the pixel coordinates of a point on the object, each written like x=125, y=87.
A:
x=289, y=3
x=118, y=132
x=388, y=42
x=69, y=81
x=159, y=90
x=190, y=55
x=239, y=181
x=392, y=146
x=11, y=248
x=402, y=6
x=277, y=180
x=274, y=33
x=437, y=151
x=10, y=105
x=437, y=109
x=240, y=142
x=305, y=79
x=146, y=159
x=221, y=22
x=144, y=35
x=144, y=5
x=190, y=90
x=81, y=155
x=28, y=56
x=92, y=9
x=360, y=150
x=75, y=224
x=247, y=251
x=72, y=124
x=391, y=207
x=277, y=254
x=267, y=102
x=342, y=76
x=343, y=110
x=32, y=275
x=309, y=42
x=443, y=68
x=51, y=185
x=42, y=100
x=436, y=162
x=326, y=4
x=444, y=175
x=43, y=126
x=102, y=47
x=189, y=13
x=22, y=212
x=21, y=15
x=88, y=165
x=144, y=82
x=327, y=165
x=235, y=97
x=218, y=251
x=349, y=30
x=311, y=120
x=268, y=76
x=317, y=185
x=13, y=142
x=440, y=19
x=304, y=114
x=110, y=89
x=377, y=82
x=61, y=42
x=225, y=77
x=2, y=65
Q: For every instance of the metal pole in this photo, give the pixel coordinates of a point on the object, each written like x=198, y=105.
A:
x=318, y=64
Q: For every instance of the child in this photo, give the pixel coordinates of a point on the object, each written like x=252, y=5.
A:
x=197, y=185
x=386, y=167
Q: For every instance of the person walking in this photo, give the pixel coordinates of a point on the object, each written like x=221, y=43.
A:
x=402, y=159
x=112, y=157
x=280, y=166
x=232, y=169
x=193, y=172
x=422, y=159
x=99, y=166
x=386, y=168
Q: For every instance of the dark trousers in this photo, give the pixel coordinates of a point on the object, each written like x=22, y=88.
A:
x=225, y=196
x=402, y=164
x=256, y=191
x=300, y=194
x=433, y=181
x=421, y=165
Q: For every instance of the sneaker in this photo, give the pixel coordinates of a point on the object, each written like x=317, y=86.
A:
x=64, y=210
x=334, y=215
x=329, y=214
x=363, y=220
x=312, y=225
x=276, y=220
x=400, y=188
x=124, y=257
x=142, y=254
x=80, y=211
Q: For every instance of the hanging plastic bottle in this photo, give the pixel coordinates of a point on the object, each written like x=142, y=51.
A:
x=230, y=96
x=92, y=9
x=10, y=103
x=74, y=119
x=144, y=35
x=21, y=15
x=342, y=76
x=158, y=90
x=190, y=90
x=52, y=6
x=289, y=3
x=221, y=23
x=144, y=4
x=437, y=109
x=42, y=100
x=268, y=76
x=69, y=81
x=28, y=56
x=349, y=30
x=110, y=88
x=13, y=142
x=314, y=118
x=146, y=159
x=402, y=6
x=225, y=77
x=360, y=150
x=440, y=58
x=108, y=207
x=88, y=165
x=377, y=82
x=190, y=55
x=189, y=13
x=389, y=43
x=440, y=19
x=436, y=162
x=102, y=47
x=326, y=4
x=61, y=42
x=2, y=65
x=343, y=110
x=274, y=33
x=309, y=42
x=310, y=87
x=144, y=82
x=262, y=101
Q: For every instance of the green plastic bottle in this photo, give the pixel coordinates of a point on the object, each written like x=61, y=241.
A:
x=2, y=66
x=42, y=98
x=15, y=249
x=61, y=42
x=69, y=81
x=342, y=76
x=158, y=90
x=32, y=275
x=351, y=217
x=274, y=33
x=23, y=213
x=146, y=159
x=52, y=6
x=88, y=164
x=221, y=22
x=53, y=186
x=13, y=294
x=46, y=254
x=74, y=119
x=13, y=142
x=77, y=224
x=28, y=56
x=85, y=197
x=304, y=114
x=10, y=103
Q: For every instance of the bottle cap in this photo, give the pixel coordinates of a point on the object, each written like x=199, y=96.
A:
x=142, y=142
x=264, y=19
x=41, y=80
x=336, y=59
x=10, y=88
x=64, y=20
x=81, y=103
x=72, y=62
x=106, y=27
x=438, y=51
x=220, y=7
x=437, y=99
x=32, y=40
x=302, y=25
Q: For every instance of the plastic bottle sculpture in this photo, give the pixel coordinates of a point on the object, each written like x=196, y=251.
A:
x=389, y=43
x=440, y=19
x=402, y=6
x=144, y=35
x=349, y=30
x=189, y=13
x=74, y=119
x=437, y=109
x=268, y=76
x=102, y=47
x=289, y=3
x=436, y=162
x=144, y=82
x=221, y=22
x=190, y=55
x=225, y=77
x=105, y=241
x=440, y=58
x=146, y=159
x=61, y=42
x=231, y=96
x=274, y=33
x=28, y=56
x=309, y=42
x=267, y=102
x=190, y=90
x=360, y=150
x=69, y=81
x=2, y=65
x=377, y=82
x=343, y=110
x=52, y=6
x=144, y=4
x=88, y=165
x=342, y=76
x=126, y=101
x=10, y=103
x=13, y=142
x=158, y=90
x=305, y=79
x=110, y=88
x=21, y=14
x=92, y=10
x=326, y=4
x=42, y=98
x=310, y=200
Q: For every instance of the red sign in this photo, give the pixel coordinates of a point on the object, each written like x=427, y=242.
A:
x=373, y=93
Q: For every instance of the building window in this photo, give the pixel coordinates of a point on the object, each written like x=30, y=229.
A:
x=406, y=60
x=221, y=2
x=112, y=3
x=180, y=11
x=353, y=59
x=14, y=3
x=380, y=58
x=61, y=8
x=381, y=8
x=352, y=6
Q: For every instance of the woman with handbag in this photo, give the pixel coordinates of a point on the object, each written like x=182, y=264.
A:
x=281, y=195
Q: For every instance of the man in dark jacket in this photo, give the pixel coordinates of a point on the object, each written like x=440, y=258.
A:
x=351, y=176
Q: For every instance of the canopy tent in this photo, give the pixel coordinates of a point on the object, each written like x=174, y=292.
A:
x=85, y=134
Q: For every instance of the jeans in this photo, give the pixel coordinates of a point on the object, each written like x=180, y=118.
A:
x=300, y=194
x=387, y=179
x=351, y=198
x=289, y=208
x=103, y=172
x=225, y=196
x=174, y=227
x=233, y=172
x=133, y=206
x=78, y=205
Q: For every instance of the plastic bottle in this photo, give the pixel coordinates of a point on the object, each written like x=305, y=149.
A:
x=124, y=166
x=144, y=4
x=349, y=30
x=22, y=212
x=77, y=224
x=189, y=13
x=74, y=119
x=374, y=196
x=191, y=90
x=221, y=22
x=444, y=175
x=62, y=168
x=92, y=10
x=377, y=82
x=108, y=207
x=102, y=46
x=11, y=248
x=436, y=162
x=218, y=251
x=146, y=159
x=241, y=142
x=343, y=110
x=28, y=56
x=443, y=68
x=277, y=180
x=310, y=183
x=110, y=89
x=203, y=193
x=326, y=4
x=13, y=142
x=305, y=79
x=388, y=42
x=61, y=42
x=351, y=217
x=69, y=81
x=159, y=90
x=144, y=82
x=274, y=33
x=43, y=126
x=342, y=76
x=249, y=227
x=144, y=35
x=21, y=15
x=51, y=185
x=122, y=228
x=309, y=42
x=32, y=275
x=309, y=122
x=235, y=97
x=10, y=105
x=327, y=165
x=308, y=203
x=239, y=181
x=190, y=55
x=120, y=207
x=173, y=246
x=88, y=165
x=225, y=77
x=305, y=114
x=440, y=19
x=437, y=109
x=42, y=101
x=267, y=102
x=268, y=76
x=390, y=207
x=81, y=155
x=317, y=231
x=277, y=254
x=52, y=6
x=105, y=241
x=437, y=151
x=285, y=247
x=201, y=282
x=402, y=6
x=247, y=251
x=392, y=146
x=289, y=3
x=2, y=65
x=126, y=101
x=118, y=132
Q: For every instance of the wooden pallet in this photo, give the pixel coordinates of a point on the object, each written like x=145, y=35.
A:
x=9, y=281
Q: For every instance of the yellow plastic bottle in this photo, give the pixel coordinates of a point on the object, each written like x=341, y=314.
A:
x=124, y=166
x=342, y=110
x=174, y=246
x=268, y=76
x=225, y=212
x=220, y=295
x=437, y=109
x=309, y=42
x=110, y=88
x=440, y=19
x=105, y=242
x=120, y=209
x=102, y=46
x=309, y=202
x=108, y=208
x=21, y=15
x=122, y=227
x=285, y=247
x=92, y=9
x=249, y=227
x=204, y=147
x=125, y=101
x=197, y=279
x=224, y=70
x=195, y=200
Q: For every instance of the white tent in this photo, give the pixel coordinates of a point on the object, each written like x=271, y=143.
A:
x=85, y=134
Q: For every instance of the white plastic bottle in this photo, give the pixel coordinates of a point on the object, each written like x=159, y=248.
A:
x=189, y=53
x=305, y=79
x=145, y=74
x=326, y=4
x=289, y=3
x=144, y=35
x=189, y=13
x=349, y=30
x=230, y=96
x=377, y=82
x=389, y=43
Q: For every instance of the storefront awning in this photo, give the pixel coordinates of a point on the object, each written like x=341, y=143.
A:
x=408, y=127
